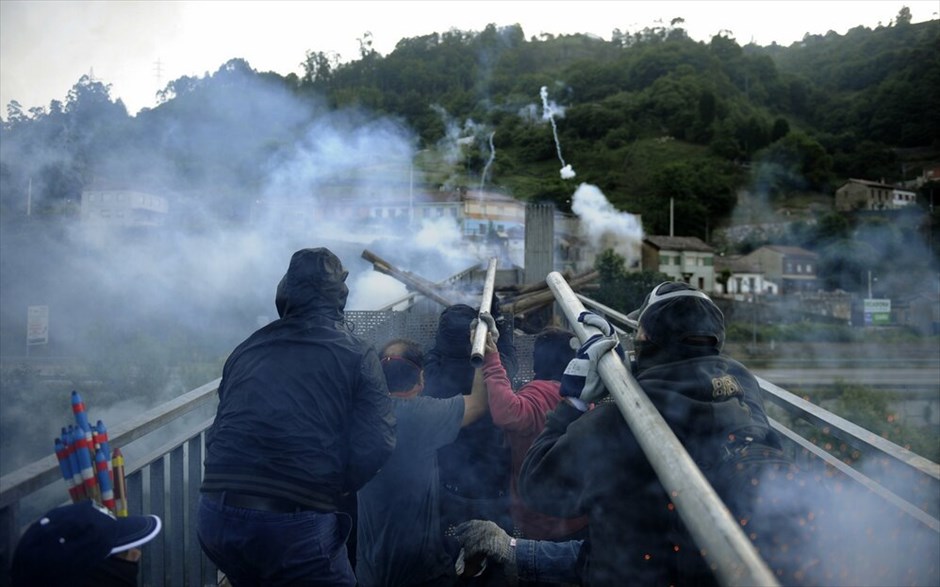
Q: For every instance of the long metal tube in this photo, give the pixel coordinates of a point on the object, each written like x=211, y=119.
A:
x=730, y=553
x=479, y=335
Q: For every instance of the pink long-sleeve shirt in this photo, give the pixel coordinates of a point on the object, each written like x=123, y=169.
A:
x=522, y=416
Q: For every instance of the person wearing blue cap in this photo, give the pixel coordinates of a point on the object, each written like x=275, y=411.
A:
x=82, y=544
x=588, y=462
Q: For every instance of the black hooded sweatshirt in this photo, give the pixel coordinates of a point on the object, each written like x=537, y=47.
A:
x=591, y=464
x=304, y=411
x=477, y=464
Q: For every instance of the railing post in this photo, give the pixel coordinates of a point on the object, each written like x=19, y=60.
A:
x=158, y=508
x=194, y=554
x=177, y=523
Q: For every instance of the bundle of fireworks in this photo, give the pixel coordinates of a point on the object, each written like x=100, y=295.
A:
x=90, y=468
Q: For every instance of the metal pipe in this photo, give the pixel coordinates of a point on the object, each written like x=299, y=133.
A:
x=479, y=335
x=732, y=556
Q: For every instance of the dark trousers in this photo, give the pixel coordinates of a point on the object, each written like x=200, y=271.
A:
x=256, y=548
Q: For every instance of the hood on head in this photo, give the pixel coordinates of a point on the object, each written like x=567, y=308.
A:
x=315, y=282
x=453, y=330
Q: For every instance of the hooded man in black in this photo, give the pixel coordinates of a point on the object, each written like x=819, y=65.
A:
x=587, y=462
x=304, y=419
x=475, y=469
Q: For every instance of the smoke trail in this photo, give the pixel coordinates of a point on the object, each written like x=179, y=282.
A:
x=488, y=163
x=548, y=111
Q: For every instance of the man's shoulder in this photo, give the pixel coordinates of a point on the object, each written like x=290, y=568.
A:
x=425, y=406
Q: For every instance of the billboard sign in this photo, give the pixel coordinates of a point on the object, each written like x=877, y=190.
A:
x=877, y=312
x=37, y=325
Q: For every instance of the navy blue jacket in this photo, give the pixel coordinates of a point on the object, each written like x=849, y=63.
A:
x=304, y=411
x=592, y=465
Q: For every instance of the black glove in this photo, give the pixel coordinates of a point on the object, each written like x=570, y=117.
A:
x=495, y=310
x=581, y=379
x=484, y=538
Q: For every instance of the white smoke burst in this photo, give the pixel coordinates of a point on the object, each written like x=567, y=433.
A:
x=604, y=226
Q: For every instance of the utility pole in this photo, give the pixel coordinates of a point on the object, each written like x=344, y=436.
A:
x=671, y=216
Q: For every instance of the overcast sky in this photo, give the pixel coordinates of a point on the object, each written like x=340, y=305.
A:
x=137, y=47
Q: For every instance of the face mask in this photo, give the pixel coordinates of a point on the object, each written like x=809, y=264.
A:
x=644, y=355
x=115, y=572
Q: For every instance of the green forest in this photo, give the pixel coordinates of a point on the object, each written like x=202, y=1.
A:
x=647, y=117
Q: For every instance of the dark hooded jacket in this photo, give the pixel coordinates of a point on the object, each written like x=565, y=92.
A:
x=478, y=463
x=304, y=412
x=591, y=464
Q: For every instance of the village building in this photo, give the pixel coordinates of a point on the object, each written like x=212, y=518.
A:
x=862, y=194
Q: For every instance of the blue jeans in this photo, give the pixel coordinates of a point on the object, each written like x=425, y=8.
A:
x=543, y=561
x=263, y=548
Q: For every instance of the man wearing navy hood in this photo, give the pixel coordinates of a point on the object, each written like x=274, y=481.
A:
x=304, y=420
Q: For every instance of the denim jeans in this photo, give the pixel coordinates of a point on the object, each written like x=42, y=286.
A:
x=543, y=561
x=256, y=548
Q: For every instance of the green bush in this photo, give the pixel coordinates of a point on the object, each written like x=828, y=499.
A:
x=869, y=409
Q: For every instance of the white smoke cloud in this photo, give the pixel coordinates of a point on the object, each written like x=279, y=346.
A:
x=206, y=277
x=604, y=226
x=370, y=290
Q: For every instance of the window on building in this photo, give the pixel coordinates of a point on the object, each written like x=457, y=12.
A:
x=789, y=267
x=799, y=268
x=809, y=268
x=677, y=260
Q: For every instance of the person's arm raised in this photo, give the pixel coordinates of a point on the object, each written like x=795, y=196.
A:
x=475, y=404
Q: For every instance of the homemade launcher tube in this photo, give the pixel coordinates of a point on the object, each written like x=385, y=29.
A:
x=729, y=553
x=479, y=335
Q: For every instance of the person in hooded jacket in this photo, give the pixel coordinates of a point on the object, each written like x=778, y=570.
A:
x=588, y=462
x=475, y=469
x=304, y=419
x=521, y=415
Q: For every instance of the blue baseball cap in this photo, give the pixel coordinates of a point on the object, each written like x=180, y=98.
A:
x=68, y=542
